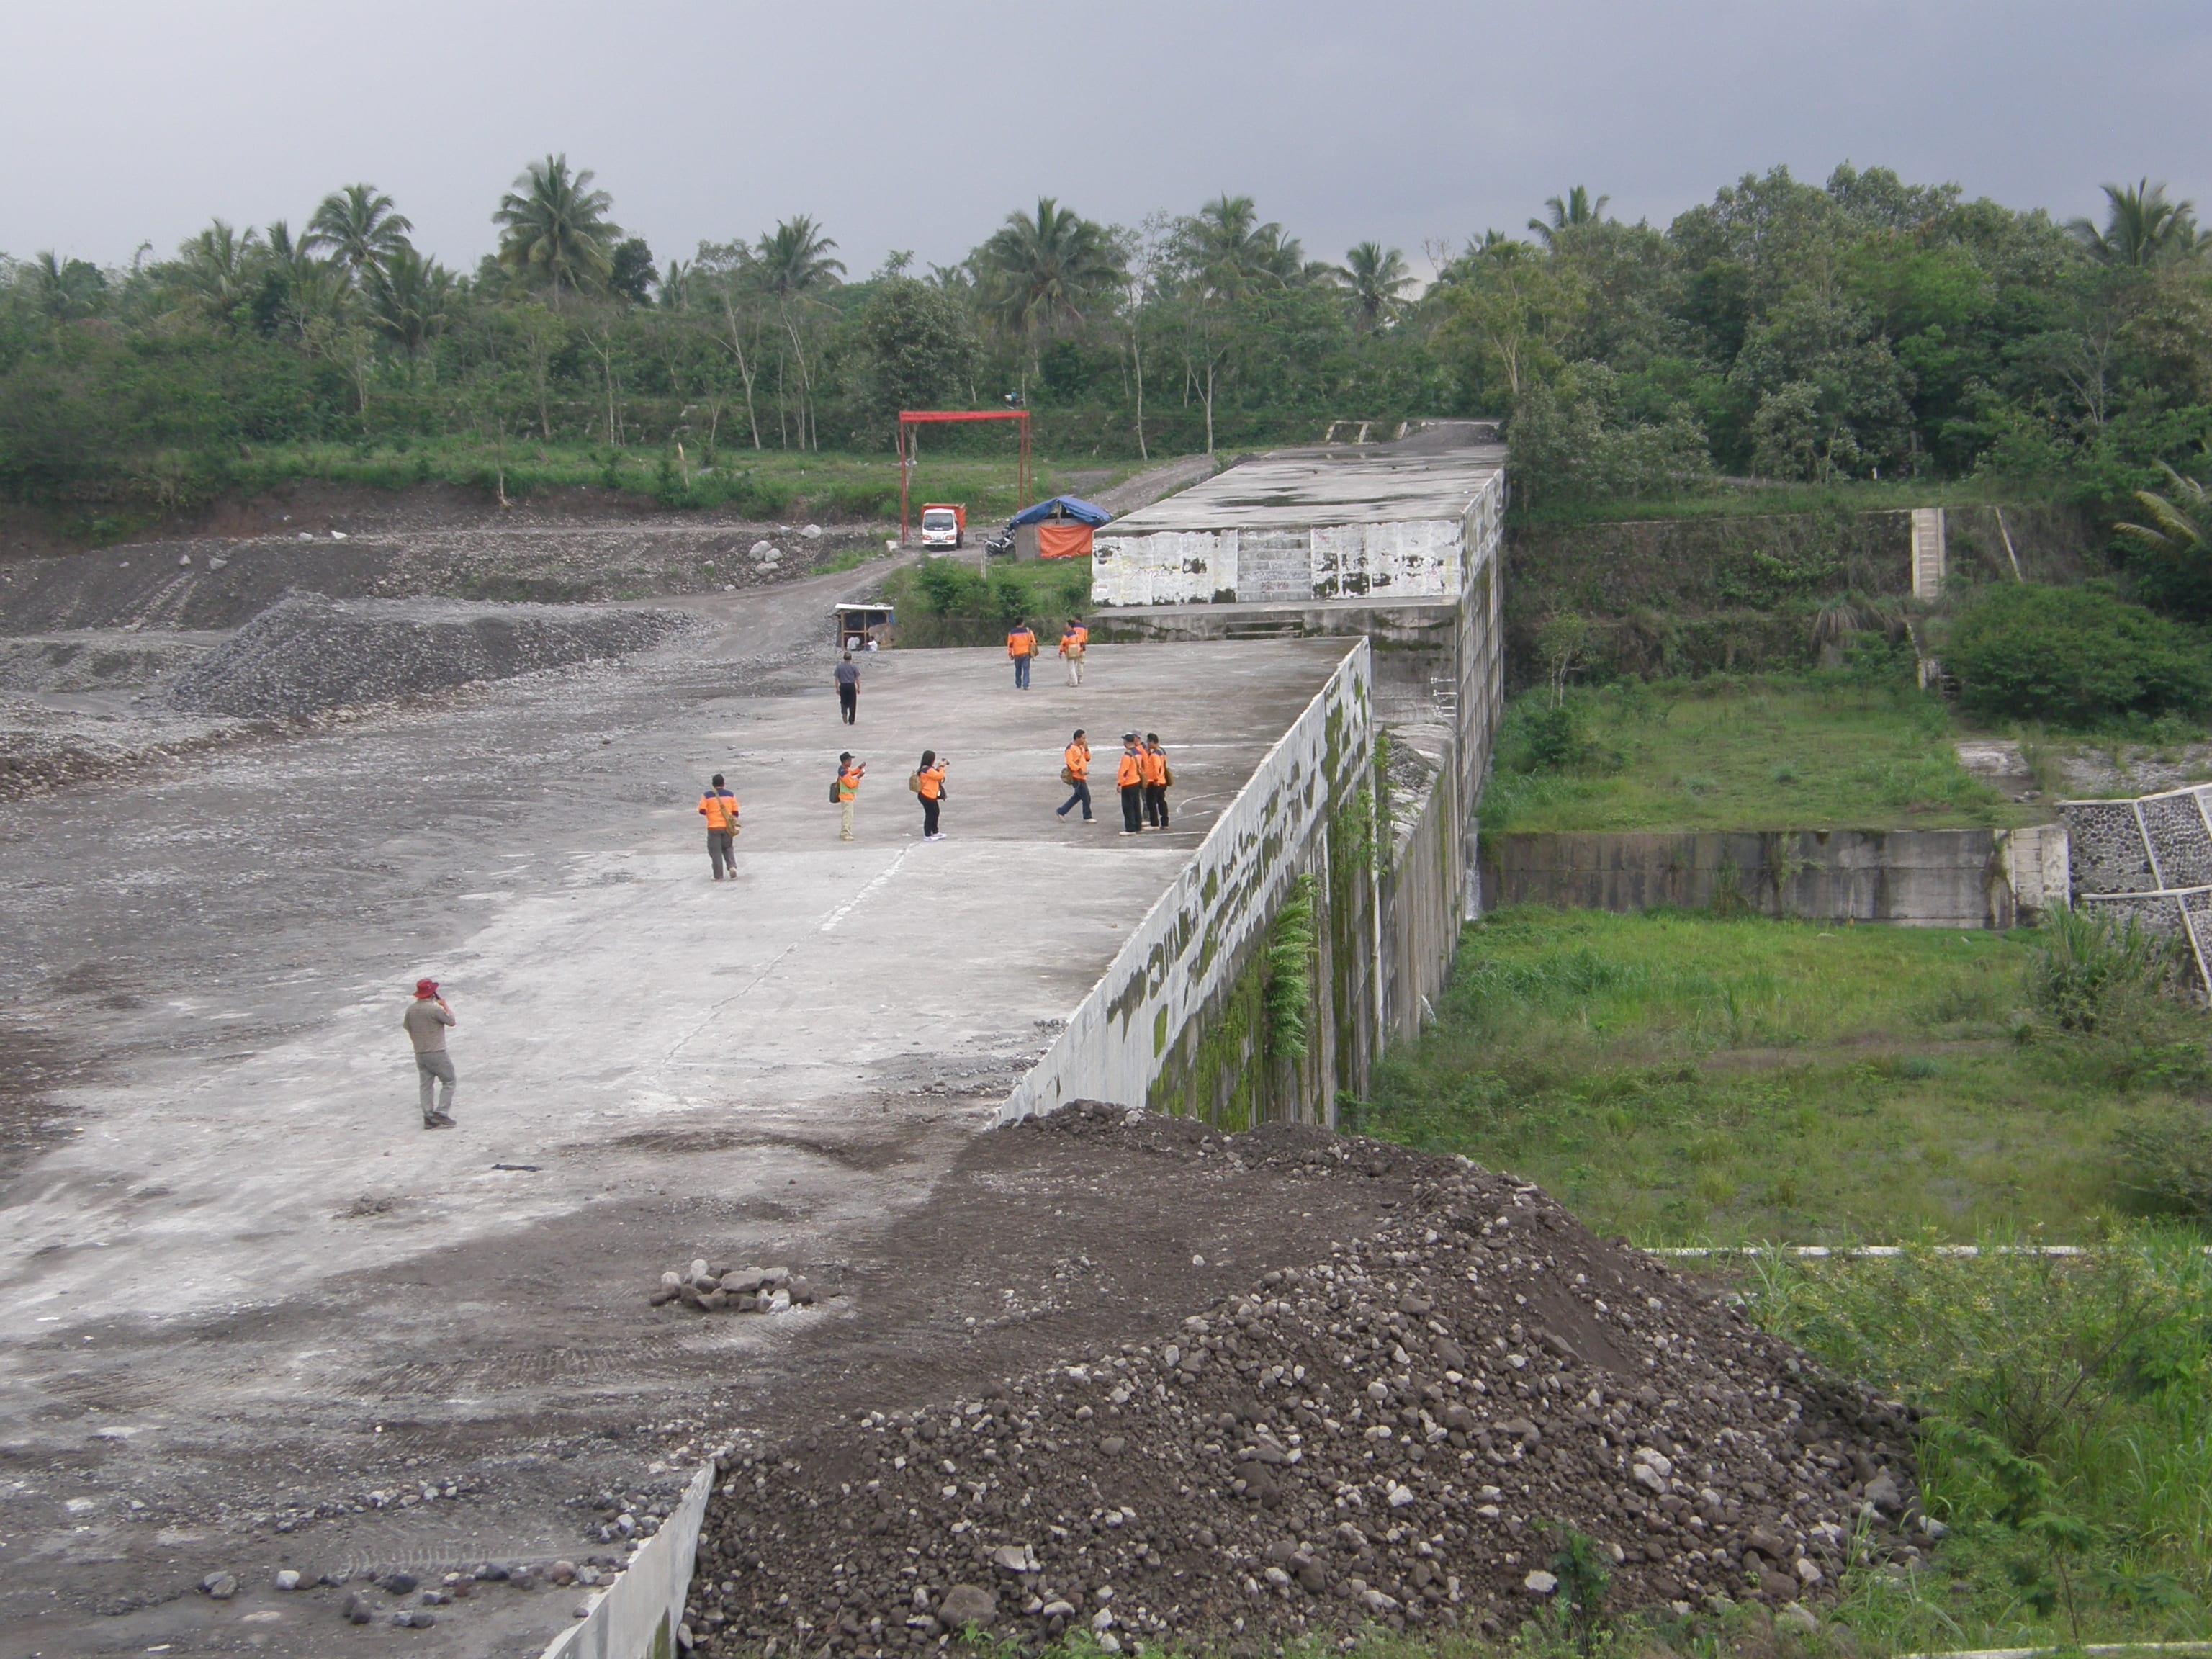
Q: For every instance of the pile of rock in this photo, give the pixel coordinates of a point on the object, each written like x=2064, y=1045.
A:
x=1401, y=1434
x=308, y=653
x=738, y=1289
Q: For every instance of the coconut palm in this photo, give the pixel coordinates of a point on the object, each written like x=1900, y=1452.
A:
x=554, y=226
x=360, y=227
x=64, y=291
x=409, y=301
x=1375, y=278
x=2142, y=228
x=216, y=271
x=297, y=286
x=792, y=265
x=1570, y=212
x=1045, y=273
x=1231, y=251
x=2180, y=522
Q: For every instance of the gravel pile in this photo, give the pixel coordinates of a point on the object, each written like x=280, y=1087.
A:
x=307, y=652
x=740, y=1290
x=1394, y=1435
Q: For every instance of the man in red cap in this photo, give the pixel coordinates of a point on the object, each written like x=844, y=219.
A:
x=426, y=1020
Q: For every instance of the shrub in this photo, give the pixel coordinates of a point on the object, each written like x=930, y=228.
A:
x=2074, y=656
x=2166, y=1162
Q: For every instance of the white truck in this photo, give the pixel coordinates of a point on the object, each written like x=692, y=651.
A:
x=944, y=525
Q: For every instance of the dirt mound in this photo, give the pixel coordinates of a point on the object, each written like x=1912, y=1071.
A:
x=69, y=663
x=307, y=653
x=1396, y=1434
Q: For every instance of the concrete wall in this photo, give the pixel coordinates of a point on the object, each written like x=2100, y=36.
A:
x=1193, y=958
x=1913, y=877
x=636, y=1617
x=1408, y=558
x=1424, y=903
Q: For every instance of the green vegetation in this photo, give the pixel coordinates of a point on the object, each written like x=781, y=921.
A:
x=944, y=602
x=1833, y=751
x=2069, y=1440
x=2075, y=657
x=1681, y=1078
x=1857, y=343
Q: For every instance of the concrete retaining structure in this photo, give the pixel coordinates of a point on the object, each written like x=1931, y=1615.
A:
x=1172, y=1023
x=638, y=1615
x=1966, y=878
x=2151, y=860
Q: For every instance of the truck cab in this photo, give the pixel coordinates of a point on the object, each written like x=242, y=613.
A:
x=943, y=524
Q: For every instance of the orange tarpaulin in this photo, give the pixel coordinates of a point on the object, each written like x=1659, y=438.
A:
x=1063, y=541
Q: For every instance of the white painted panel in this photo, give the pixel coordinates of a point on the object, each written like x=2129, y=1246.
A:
x=1173, y=567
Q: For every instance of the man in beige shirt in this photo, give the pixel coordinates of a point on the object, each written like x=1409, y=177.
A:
x=426, y=1020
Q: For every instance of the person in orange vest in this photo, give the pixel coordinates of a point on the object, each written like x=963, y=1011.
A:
x=1021, y=645
x=929, y=784
x=1075, y=769
x=1073, y=639
x=846, y=789
x=720, y=808
x=1158, y=777
x=1129, y=778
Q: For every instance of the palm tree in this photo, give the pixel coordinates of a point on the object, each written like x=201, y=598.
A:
x=1571, y=212
x=791, y=264
x=1375, y=278
x=555, y=225
x=409, y=300
x=297, y=286
x=1041, y=274
x=64, y=291
x=214, y=273
x=360, y=227
x=2181, y=526
x=1231, y=251
x=2142, y=228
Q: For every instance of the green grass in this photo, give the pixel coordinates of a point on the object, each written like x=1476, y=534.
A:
x=1746, y=500
x=1812, y=751
x=949, y=602
x=2072, y=1390
x=769, y=483
x=1679, y=1079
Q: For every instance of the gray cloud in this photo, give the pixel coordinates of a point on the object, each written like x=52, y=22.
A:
x=919, y=126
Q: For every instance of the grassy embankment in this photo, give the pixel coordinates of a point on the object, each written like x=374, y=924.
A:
x=1683, y=1078
x=1751, y=501
x=1812, y=751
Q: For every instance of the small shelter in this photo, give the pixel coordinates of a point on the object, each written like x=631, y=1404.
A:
x=1058, y=528
x=863, y=626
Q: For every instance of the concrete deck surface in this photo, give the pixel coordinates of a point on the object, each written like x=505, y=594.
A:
x=240, y=1280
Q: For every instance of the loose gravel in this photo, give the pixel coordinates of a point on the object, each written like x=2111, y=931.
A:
x=307, y=652
x=1398, y=1434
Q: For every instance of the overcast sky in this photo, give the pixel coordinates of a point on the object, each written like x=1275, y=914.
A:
x=919, y=124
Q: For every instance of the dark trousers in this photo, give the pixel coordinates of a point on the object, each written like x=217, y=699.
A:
x=1021, y=674
x=929, y=808
x=1156, y=805
x=1082, y=794
x=1133, y=807
x=848, y=701
x=721, y=852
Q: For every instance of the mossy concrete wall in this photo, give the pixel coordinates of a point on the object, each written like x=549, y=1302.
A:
x=1176, y=1022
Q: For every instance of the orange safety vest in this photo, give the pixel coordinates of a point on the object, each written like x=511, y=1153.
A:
x=849, y=785
x=1079, y=759
x=1131, y=770
x=1073, y=641
x=721, y=811
x=1021, y=643
x=932, y=782
x=1156, y=766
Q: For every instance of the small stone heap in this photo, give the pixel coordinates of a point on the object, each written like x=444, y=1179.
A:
x=738, y=1289
x=1400, y=1434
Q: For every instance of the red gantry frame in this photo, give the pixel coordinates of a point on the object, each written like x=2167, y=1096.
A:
x=911, y=418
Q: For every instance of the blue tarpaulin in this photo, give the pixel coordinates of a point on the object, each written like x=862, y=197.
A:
x=1063, y=506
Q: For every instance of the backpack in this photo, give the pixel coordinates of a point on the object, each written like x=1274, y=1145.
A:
x=914, y=782
x=1167, y=776
x=835, y=799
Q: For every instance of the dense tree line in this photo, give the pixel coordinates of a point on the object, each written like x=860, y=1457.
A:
x=1865, y=328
